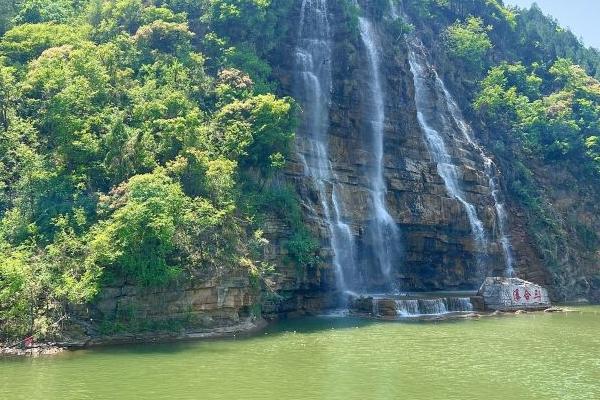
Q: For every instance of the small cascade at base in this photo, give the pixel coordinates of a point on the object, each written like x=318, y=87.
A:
x=439, y=306
x=411, y=306
x=460, y=304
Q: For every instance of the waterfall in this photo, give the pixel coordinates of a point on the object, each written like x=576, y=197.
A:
x=384, y=231
x=490, y=169
x=313, y=89
x=426, y=116
x=376, y=312
x=406, y=308
x=459, y=304
x=432, y=306
x=435, y=306
x=393, y=11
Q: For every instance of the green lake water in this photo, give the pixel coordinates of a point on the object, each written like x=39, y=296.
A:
x=531, y=356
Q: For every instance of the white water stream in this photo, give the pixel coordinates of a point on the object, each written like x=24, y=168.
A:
x=490, y=172
x=314, y=86
x=426, y=115
x=386, y=235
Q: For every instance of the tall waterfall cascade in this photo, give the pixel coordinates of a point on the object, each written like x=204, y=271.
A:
x=313, y=89
x=313, y=65
x=447, y=170
x=366, y=252
x=465, y=129
x=467, y=133
x=490, y=172
x=384, y=230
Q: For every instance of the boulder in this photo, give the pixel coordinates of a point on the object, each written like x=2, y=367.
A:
x=478, y=303
x=386, y=308
x=361, y=305
x=512, y=294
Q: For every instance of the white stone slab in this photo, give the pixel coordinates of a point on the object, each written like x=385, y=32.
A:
x=509, y=294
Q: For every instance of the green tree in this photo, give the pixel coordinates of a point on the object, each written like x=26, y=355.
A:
x=556, y=117
x=26, y=42
x=8, y=95
x=468, y=41
x=135, y=139
x=256, y=128
x=36, y=11
x=8, y=9
x=137, y=241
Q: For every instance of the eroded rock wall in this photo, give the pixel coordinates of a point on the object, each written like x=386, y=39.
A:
x=437, y=244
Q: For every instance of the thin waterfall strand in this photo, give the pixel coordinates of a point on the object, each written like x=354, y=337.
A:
x=386, y=235
x=490, y=169
x=447, y=170
x=314, y=80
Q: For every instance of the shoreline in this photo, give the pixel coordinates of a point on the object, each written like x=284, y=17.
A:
x=244, y=329
x=41, y=349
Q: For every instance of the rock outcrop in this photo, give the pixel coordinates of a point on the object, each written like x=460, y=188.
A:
x=512, y=294
x=192, y=307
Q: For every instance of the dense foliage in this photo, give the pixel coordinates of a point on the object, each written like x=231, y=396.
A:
x=554, y=111
x=468, y=41
x=138, y=141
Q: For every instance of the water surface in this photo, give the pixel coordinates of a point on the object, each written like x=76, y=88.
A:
x=532, y=356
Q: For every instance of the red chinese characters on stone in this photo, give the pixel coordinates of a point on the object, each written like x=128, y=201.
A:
x=537, y=295
x=516, y=294
x=527, y=294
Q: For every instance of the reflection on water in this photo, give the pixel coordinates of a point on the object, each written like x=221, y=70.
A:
x=531, y=356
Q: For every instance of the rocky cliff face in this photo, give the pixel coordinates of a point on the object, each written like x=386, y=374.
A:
x=568, y=259
x=438, y=248
x=437, y=243
x=217, y=303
